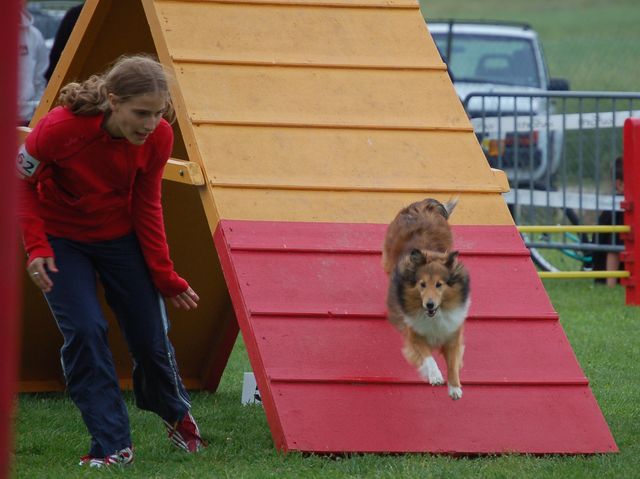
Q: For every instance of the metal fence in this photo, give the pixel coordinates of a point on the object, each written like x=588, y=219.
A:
x=558, y=150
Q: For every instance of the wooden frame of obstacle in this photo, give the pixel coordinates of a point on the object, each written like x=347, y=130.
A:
x=305, y=136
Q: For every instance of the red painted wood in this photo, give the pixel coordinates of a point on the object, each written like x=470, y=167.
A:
x=631, y=173
x=406, y=418
x=368, y=350
x=329, y=367
x=246, y=327
x=282, y=282
x=9, y=284
x=343, y=237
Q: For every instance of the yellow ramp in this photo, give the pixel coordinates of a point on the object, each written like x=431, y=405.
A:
x=325, y=110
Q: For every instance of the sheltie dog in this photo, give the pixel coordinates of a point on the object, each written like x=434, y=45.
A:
x=428, y=297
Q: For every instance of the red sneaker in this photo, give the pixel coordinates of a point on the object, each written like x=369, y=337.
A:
x=185, y=434
x=122, y=457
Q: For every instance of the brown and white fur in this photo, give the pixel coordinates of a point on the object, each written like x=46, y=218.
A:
x=428, y=297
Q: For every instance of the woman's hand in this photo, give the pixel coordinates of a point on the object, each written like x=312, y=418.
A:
x=187, y=300
x=38, y=269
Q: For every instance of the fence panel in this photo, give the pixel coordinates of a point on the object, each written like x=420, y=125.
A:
x=559, y=151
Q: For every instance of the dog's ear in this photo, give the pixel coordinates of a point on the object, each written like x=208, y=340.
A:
x=459, y=276
x=409, y=263
x=451, y=259
x=417, y=258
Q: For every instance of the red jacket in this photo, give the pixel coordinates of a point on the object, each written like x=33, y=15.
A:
x=84, y=185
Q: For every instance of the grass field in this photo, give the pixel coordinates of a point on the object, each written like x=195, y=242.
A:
x=604, y=335
x=593, y=44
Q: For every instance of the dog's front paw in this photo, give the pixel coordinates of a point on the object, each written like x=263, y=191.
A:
x=455, y=392
x=430, y=371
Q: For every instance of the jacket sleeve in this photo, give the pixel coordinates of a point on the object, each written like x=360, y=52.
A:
x=32, y=166
x=146, y=211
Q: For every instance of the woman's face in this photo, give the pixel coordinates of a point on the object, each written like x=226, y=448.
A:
x=137, y=117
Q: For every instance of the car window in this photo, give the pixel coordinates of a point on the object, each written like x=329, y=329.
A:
x=490, y=59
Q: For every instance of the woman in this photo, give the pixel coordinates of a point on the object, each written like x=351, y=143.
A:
x=90, y=209
x=33, y=62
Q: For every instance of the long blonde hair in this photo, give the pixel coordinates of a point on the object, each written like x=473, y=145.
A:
x=128, y=77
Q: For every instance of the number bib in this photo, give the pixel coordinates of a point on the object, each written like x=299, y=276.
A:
x=27, y=164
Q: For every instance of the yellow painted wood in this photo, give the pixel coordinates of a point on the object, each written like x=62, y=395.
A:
x=306, y=106
x=22, y=132
x=185, y=146
x=35, y=386
x=320, y=96
x=280, y=34
x=501, y=179
x=388, y=4
x=383, y=159
x=351, y=207
x=182, y=171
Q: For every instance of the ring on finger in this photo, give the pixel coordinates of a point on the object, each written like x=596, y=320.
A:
x=35, y=274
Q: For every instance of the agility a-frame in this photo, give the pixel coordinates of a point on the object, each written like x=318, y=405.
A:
x=302, y=127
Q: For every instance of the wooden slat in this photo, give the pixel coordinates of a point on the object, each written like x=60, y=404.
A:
x=263, y=154
x=417, y=418
x=368, y=350
x=366, y=238
x=182, y=171
x=34, y=386
x=354, y=284
x=386, y=4
x=349, y=206
x=22, y=132
x=319, y=96
x=279, y=34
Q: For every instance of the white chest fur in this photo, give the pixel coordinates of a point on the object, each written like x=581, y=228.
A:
x=438, y=329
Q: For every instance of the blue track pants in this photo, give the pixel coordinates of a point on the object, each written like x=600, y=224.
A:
x=86, y=358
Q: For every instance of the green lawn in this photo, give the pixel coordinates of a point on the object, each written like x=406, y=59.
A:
x=603, y=332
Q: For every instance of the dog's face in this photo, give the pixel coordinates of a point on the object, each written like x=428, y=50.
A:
x=430, y=281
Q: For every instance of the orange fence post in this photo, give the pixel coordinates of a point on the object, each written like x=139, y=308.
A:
x=9, y=283
x=631, y=205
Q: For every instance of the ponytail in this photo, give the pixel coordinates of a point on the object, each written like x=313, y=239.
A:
x=87, y=98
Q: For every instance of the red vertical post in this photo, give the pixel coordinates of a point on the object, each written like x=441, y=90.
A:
x=631, y=205
x=9, y=279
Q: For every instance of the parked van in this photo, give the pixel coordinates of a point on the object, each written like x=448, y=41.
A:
x=494, y=57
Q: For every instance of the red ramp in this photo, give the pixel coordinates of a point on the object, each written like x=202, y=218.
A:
x=309, y=298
